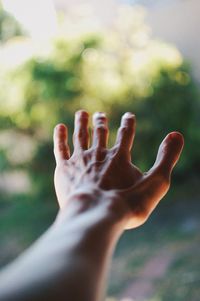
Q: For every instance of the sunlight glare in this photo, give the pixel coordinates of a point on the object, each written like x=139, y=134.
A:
x=37, y=17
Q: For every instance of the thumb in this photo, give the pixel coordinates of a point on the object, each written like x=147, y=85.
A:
x=168, y=153
x=156, y=181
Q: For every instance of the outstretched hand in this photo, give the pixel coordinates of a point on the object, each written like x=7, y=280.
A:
x=93, y=169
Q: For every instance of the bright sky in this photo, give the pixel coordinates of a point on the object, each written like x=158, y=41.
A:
x=37, y=16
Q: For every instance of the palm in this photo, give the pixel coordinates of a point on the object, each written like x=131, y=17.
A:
x=121, y=174
x=111, y=169
x=112, y=174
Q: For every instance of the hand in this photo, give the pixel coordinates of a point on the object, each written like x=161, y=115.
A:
x=97, y=170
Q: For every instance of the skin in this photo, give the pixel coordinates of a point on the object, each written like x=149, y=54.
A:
x=100, y=194
x=110, y=170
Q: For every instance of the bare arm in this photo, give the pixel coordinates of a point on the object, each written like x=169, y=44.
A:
x=100, y=193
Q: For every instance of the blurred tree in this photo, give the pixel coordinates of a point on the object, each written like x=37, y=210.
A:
x=122, y=70
x=173, y=105
x=9, y=27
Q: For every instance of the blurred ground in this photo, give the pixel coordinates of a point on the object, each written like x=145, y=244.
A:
x=158, y=261
x=122, y=68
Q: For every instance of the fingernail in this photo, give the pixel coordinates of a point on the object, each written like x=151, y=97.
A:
x=61, y=127
x=99, y=117
x=175, y=135
x=128, y=115
x=102, y=114
x=82, y=113
x=177, y=139
x=172, y=135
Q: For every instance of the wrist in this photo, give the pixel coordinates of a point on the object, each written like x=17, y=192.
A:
x=86, y=237
x=94, y=209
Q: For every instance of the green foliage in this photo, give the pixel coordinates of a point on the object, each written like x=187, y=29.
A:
x=9, y=27
x=173, y=105
x=118, y=71
x=98, y=72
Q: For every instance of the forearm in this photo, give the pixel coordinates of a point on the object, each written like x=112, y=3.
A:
x=69, y=262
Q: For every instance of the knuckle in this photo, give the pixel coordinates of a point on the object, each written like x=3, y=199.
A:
x=141, y=212
x=129, y=130
x=101, y=118
x=126, y=130
x=166, y=184
x=114, y=150
x=61, y=147
x=81, y=134
x=124, y=134
x=123, y=130
x=102, y=128
x=161, y=180
x=164, y=177
x=99, y=153
x=97, y=150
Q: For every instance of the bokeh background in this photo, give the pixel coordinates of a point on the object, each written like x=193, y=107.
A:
x=115, y=56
